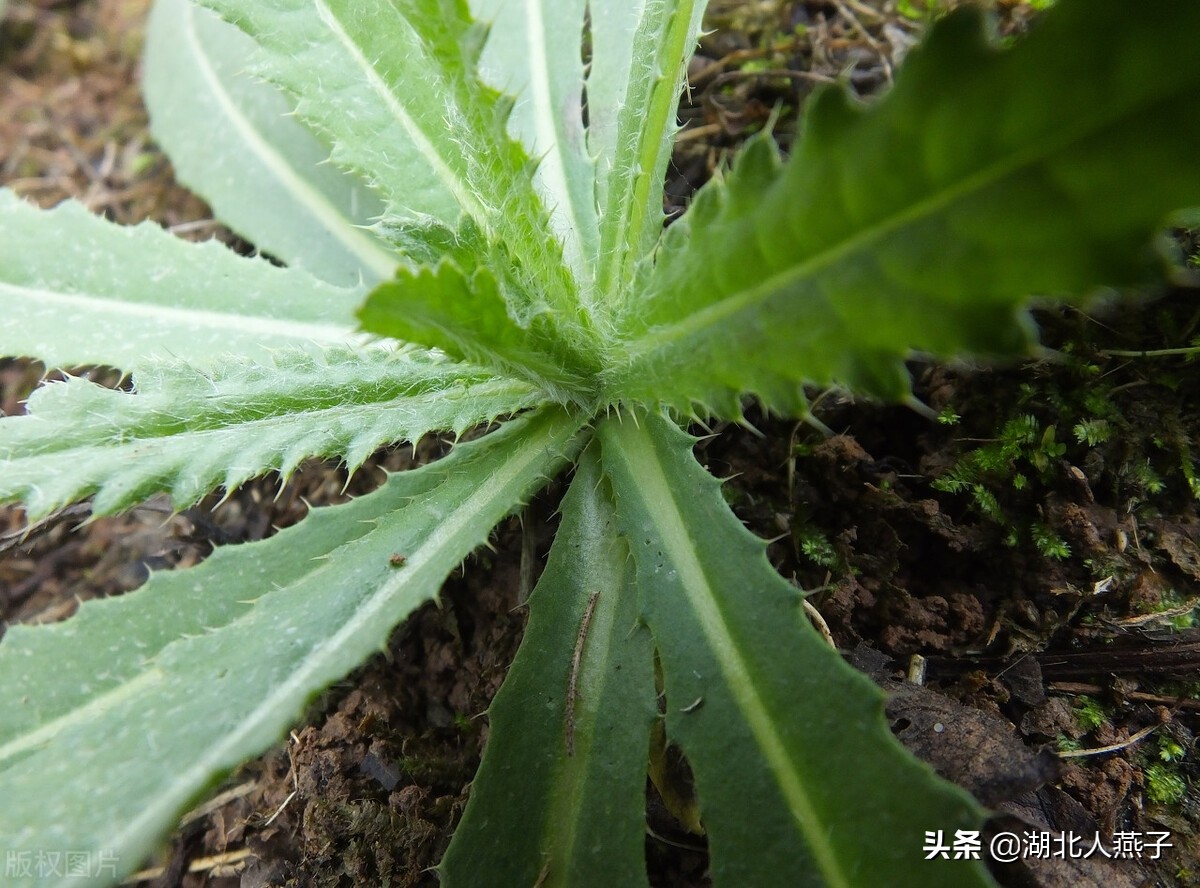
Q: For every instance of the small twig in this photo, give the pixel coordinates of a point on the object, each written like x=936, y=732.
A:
x=218, y=801
x=1112, y=747
x=199, y=865
x=849, y=16
x=295, y=782
x=576, y=658
x=864, y=10
x=1081, y=687
x=1153, y=353
x=819, y=623
x=916, y=670
x=696, y=133
x=699, y=849
x=194, y=225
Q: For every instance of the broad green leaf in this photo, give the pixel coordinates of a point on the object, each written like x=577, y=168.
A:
x=391, y=84
x=77, y=289
x=534, y=53
x=232, y=140
x=466, y=317
x=927, y=220
x=139, y=703
x=631, y=176
x=569, y=730
x=187, y=431
x=800, y=781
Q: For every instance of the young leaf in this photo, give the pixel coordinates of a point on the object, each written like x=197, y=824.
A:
x=140, y=702
x=222, y=129
x=467, y=318
x=80, y=290
x=790, y=751
x=569, y=731
x=534, y=54
x=633, y=160
x=927, y=220
x=612, y=33
x=186, y=431
x=392, y=85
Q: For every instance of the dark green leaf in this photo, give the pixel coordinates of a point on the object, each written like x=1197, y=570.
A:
x=800, y=781
x=927, y=221
x=560, y=797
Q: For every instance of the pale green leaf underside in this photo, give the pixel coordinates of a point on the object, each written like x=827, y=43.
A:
x=77, y=289
x=575, y=772
x=392, y=86
x=187, y=431
x=633, y=165
x=609, y=71
x=926, y=221
x=144, y=700
x=533, y=53
x=763, y=708
x=223, y=130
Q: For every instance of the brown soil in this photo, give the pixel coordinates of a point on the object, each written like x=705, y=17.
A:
x=369, y=789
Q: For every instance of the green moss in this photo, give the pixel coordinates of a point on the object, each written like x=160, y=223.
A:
x=1164, y=784
x=1089, y=713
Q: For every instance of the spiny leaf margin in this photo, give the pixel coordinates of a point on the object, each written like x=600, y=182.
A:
x=155, y=701
x=78, y=289
x=185, y=431
x=815, y=784
x=222, y=128
x=927, y=220
x=435, y=144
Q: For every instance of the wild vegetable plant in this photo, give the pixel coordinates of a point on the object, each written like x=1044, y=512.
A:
x=504, y=248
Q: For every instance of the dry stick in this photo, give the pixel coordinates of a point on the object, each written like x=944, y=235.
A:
x=1078, y=687
x=572, y=683
x=200, y=865
x=1112, y=747
x=849, y=16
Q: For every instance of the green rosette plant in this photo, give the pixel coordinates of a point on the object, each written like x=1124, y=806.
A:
x=483, y=246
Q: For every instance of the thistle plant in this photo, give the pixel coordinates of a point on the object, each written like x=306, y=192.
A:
x=487, y=244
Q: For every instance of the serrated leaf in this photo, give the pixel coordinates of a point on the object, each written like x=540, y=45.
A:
x=186, y=431
x=799, y=779
x=80, y=290
x=612, y=32
x=392, y=86
x=467, y=317
x=569, y=730
x=926, y=221
x=141, y=702
x=534, y=54
x=223, y=129
x=633, y=156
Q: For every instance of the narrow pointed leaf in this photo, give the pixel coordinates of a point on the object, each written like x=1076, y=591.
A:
x=233, y=140
x=139, y=703
x=927, y=220
x=612, y=34
x=80, y=290
x=534, y=53
x=575, y=769
x=788, y=744
x=186, y=432
x=631, y=178
x=392, y=87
